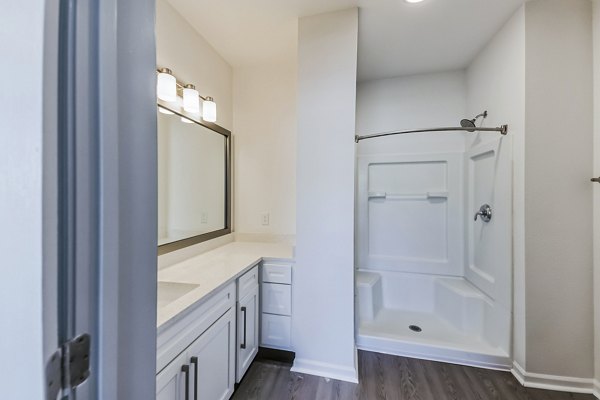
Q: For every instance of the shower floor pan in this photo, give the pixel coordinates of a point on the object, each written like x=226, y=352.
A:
x=438, y=340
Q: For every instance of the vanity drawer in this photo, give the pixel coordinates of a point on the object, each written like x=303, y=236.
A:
x=247, y=282
x=276, y=331
x=276, y=298
x=277, y=273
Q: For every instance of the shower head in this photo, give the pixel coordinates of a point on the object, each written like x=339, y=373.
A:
x=470, y=123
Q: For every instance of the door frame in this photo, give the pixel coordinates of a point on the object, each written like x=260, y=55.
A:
x=114, y=295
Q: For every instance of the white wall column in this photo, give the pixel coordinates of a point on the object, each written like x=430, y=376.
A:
x=323, y=323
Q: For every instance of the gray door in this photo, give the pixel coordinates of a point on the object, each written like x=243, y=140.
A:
x=77, y=166
x=101, y=168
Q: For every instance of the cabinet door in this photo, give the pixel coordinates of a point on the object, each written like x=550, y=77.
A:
x=247, y=342
x=170, y=382
x=277, y=299
x=212, y=359
x=276, y=331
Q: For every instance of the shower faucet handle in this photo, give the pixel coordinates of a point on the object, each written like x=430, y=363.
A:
x=485, y=212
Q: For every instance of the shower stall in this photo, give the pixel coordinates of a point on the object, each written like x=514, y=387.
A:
x=433, y=249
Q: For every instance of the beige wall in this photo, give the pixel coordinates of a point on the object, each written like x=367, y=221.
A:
x=264, y=126
x=263, y=122
x=558, y=194
x=193, y=60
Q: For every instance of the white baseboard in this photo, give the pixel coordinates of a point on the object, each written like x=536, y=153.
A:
x=325, y=370
x=596, y=388
x=555, y=382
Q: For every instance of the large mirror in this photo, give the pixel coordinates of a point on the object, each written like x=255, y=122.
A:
x=194, y=180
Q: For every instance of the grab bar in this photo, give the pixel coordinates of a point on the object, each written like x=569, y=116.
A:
x=400, y=196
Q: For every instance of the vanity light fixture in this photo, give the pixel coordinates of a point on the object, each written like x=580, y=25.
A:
x=209, y=110
x=166, y=85
x=167, y=89
x=191, y=99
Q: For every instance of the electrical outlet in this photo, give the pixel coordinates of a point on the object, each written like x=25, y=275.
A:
x=204, y=218
x=265, y=218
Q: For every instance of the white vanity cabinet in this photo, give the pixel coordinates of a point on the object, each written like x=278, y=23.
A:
x=196, y=354
x=207, y=349
x=206, y=369
x=247, y=321
x=170, y=382
x=208, y=337
x=276, y=309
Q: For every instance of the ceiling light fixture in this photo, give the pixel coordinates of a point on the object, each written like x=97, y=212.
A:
x=413, y=1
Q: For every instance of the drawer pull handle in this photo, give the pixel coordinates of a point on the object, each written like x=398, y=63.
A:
x=243, y=345
x=186, y=370
x=194, y=360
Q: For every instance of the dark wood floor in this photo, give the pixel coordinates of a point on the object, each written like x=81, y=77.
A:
x=389, y=377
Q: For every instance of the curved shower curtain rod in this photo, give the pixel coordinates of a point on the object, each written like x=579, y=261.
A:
x=468, y=125
x=502, y=129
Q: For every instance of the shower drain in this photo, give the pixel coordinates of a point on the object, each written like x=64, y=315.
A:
x=415, y=328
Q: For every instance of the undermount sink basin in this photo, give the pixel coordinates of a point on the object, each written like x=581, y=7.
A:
x=171, y=291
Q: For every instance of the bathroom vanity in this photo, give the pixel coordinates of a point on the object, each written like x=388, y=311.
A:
x=211, y=317
x=215, y=308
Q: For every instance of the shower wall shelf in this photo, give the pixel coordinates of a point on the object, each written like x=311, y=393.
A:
x=399, y=196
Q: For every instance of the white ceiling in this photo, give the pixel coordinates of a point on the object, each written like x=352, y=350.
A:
x=395, y=38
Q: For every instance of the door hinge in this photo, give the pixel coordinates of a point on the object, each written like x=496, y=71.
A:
x=69, y=366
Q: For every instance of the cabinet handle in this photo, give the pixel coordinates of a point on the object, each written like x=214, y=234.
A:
x=194, y=360
x=243, y=345
x=186, y=371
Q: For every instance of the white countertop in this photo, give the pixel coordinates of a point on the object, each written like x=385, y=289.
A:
x=215, y=269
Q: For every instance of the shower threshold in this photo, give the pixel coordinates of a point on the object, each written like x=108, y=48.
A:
x=437, y=340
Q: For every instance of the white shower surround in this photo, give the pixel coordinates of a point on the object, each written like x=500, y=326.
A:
x=456, y=282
